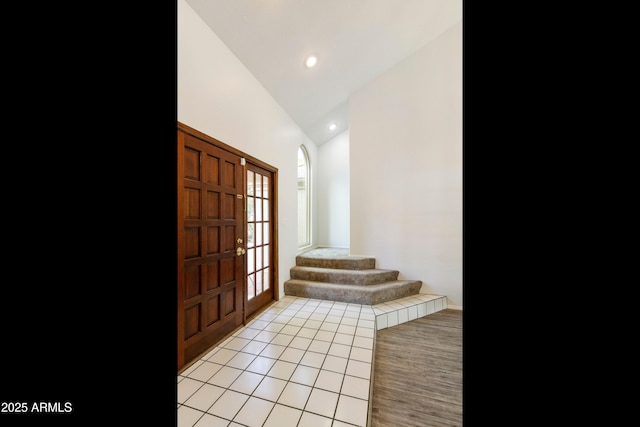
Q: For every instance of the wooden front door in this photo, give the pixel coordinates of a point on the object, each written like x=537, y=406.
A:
x=211, y=236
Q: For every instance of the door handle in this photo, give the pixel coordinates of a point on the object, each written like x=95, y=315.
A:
x=240, y=251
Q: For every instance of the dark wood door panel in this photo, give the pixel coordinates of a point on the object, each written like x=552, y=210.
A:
x=214, y=294
x=210, y=220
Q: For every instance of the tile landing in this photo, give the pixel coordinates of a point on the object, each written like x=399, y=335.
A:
x=301, y=362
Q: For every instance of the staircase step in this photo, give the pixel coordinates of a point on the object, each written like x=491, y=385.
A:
x=334, y=258
x=355, y=294
x=348, y=277
x=333, y=274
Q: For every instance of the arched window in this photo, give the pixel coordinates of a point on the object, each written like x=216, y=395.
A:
x=304, y=199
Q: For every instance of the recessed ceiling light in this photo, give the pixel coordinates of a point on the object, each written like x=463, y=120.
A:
x=333, y=126
x=311, y=61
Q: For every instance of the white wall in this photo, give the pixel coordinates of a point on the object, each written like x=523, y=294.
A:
x=332, y=189
x=404, y=148
x=219, y=97
x=406, y=167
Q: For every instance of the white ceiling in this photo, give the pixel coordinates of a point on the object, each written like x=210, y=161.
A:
x=354, y=40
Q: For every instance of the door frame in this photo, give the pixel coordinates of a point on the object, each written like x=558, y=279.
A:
x=274, y=232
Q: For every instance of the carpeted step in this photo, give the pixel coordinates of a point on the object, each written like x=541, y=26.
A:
x=348, y=277
x=355, y=294
x=334, y=258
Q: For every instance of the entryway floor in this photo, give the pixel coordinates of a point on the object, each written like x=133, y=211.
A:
x=301, y=362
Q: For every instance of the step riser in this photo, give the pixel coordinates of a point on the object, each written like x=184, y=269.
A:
x=345, y=277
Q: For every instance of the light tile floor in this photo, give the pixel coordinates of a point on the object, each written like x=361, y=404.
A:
x=302, y=362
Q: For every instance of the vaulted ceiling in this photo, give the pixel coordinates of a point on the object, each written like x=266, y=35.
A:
x=354, y=42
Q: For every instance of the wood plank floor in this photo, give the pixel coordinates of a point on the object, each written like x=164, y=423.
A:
x=417, y=373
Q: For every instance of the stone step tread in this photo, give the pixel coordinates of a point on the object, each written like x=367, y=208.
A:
x=368, y=288
x=371, y=295
x=334, y=258
x=343, y=263
x=331, y=253
x=368, y=271
x=336, y=275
